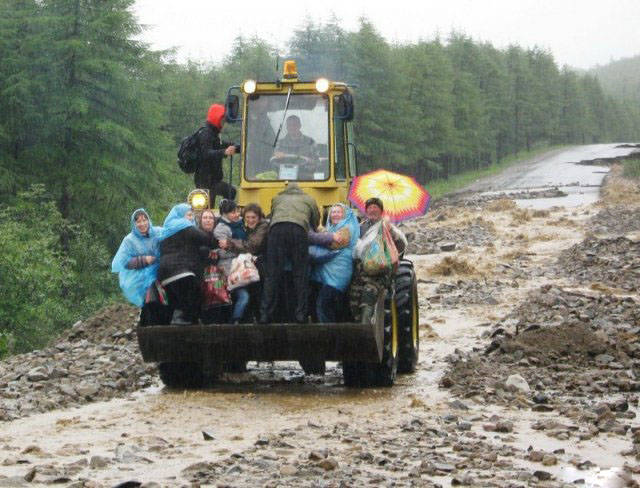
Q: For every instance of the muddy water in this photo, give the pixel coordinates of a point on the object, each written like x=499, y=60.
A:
x=559, y=169
x=163, y=430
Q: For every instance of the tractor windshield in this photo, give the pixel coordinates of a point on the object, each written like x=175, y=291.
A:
x=300, y=151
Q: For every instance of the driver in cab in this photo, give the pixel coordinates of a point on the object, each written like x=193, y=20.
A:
x=295, y=143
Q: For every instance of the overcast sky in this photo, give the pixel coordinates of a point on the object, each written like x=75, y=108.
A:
x=581, y=33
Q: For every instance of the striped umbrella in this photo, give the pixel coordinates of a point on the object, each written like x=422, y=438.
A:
x=403, y=197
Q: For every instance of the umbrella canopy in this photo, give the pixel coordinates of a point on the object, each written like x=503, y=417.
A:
x=402, y=196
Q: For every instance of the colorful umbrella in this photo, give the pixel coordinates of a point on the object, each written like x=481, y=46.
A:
x=402, y=196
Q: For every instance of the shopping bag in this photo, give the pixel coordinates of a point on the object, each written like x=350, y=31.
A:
x=377, y=250
x=391, y=251
x=214, y=288
x=156, y=294
x=243, y=272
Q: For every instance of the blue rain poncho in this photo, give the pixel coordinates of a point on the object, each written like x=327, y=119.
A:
x=135, y=282
x=338, y=270
x=176, y=221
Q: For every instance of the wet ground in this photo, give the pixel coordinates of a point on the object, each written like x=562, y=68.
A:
x=274, y=427
x=557, y=169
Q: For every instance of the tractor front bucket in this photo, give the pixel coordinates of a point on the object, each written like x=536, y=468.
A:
x=261, y=342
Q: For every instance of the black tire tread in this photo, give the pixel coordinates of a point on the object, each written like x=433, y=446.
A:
x=358, y=374
x=181, y=375
x=405, y=285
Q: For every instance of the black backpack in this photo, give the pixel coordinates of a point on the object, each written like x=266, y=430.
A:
x=189, y=153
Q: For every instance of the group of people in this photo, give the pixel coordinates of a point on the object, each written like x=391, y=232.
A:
x=305, y=269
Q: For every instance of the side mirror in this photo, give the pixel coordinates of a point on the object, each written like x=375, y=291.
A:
x=232, y=106
x=344, y=106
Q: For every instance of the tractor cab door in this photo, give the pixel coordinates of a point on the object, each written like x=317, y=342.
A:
x=345, y=153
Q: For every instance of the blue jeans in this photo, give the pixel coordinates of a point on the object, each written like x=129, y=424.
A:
x=330, y=299
x=240, y=297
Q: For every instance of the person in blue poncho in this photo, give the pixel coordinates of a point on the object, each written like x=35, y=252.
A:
x=136, y=261
x=334, y=275
x=182, y=246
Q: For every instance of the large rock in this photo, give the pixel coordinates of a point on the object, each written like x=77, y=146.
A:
x=517, y=382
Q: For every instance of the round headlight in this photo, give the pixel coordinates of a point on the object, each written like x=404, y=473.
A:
x=249, y=86
x=199, y=202
x=322, y=85
x=198, y=199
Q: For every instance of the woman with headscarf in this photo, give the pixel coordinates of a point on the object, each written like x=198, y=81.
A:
x=180, y=270
x=335, y=274
x=230, y=226
x=136, y=261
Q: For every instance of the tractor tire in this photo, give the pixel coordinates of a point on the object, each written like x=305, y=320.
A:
x=235, y=367
x=352, y=374
x=313, y=366
x=408, y=318
x=360, y=374
x=181, y=375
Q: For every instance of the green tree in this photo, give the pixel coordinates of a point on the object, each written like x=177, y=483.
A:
x=34, y=268
x=380, y=105
x=428, y=78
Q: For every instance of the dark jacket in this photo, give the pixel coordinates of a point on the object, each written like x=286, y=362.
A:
x=295, y=206
x=256, y=241
x=212, y=152
x=182, y=252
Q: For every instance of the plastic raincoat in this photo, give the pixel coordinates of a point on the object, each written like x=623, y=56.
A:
x=135, y=282
x=176, y=221
x=338, y=270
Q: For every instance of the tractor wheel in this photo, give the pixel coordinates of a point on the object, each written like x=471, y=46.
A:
x=236, y=367
x=181, y=375
x=360, y=374
x=352, y=374
x=408, y=318
x=313, y=366
x=384, y=374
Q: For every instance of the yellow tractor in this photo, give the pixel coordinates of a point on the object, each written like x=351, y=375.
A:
x=322, y=160
x=300, y=131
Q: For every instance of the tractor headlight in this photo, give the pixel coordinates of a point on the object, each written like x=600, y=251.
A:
x=198, y=199
x=322, y=85
x=249, y=87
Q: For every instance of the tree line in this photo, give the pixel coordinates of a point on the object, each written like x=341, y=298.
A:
x=90, y=120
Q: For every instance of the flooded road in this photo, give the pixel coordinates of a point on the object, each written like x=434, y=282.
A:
x=272, y=426
x=559, y=169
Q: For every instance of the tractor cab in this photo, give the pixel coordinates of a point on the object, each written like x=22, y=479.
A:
x=294, y=130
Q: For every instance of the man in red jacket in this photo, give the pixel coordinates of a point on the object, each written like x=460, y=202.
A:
x=208, y=174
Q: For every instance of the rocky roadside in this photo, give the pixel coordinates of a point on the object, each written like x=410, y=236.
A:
x=570, y=349
x=529, y=376
x=97, y=359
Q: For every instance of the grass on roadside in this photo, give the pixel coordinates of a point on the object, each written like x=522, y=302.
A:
x=438, y=188
x=632, y=168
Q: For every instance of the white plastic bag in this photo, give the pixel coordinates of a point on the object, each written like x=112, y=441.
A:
x=378, y=253
x=365, y=241
x=243, y=272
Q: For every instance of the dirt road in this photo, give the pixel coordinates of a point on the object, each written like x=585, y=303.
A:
x=529, y=376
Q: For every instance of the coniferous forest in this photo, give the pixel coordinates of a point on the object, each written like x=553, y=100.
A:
x=90, y=121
